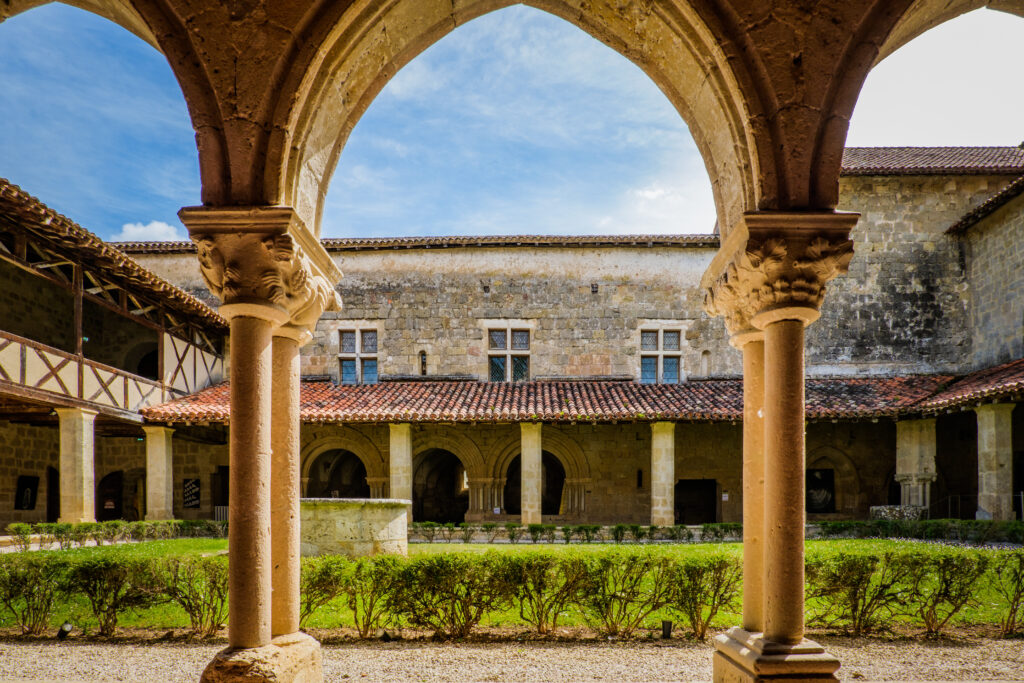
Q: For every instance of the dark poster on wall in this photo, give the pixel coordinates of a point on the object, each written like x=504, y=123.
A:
x=191, y=493
x=25, y=492
x=821, y=491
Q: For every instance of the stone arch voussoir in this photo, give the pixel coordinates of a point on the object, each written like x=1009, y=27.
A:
x=463, y=447
x=345, y=438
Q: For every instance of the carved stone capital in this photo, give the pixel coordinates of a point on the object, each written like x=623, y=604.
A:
x=265, y=256
x=775, y=266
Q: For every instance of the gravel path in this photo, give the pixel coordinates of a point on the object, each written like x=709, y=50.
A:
x=423, y=661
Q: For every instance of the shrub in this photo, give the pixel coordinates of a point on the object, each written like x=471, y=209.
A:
x=1007, y=578
x=46, y=533
x=514, y=531
x=82, y=532
x=622, y=589
x=567, y=533
x=369, y=588
x=466, y=532
x=110, y=532
x=549, y=532
x=199, y=585
x=719, y=531
x=653, y=531
x=535, y=531
x=703, y=586
x=29, y=586
x=543, y=585
x=679, y=532
x=941, y=583
x=491, y=530
x=855, y=590
x=447, y=531
x=22, y=534
x=112, y=586
x=590, y=532
x=636, y=532
x=427, y=530
x=450, y=593
x=322, y=579
x=619, y=532
x=64, y=533
x=139, y=531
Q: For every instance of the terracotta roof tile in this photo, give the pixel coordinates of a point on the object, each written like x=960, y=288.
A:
x=989, y=206
x=26, y=212
x=932, y=160
x=1001, y=381
x=563, y=401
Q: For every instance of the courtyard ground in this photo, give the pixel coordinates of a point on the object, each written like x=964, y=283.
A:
x=863, y=659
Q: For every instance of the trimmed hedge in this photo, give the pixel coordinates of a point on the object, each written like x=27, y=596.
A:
x=617, y=591
x=107, y=533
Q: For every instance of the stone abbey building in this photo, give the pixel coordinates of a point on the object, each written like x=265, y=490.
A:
x=453, y=356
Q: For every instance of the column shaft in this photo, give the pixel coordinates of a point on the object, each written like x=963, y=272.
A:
x=753, y=485
x=995, y=461
x=915, y=461
x=784, y=481
x=77, y=465
x=400, y=462
x=284, y=486
x=249, y=554
x=663, y=473
x=159, y=472
x=530, y=461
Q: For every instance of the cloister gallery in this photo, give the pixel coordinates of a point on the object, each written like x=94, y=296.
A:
x=536, y=378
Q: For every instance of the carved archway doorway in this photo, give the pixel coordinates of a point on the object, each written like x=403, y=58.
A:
x=337, y=473
x=440, y=487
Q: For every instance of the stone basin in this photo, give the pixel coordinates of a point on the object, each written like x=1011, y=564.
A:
x=354, y=527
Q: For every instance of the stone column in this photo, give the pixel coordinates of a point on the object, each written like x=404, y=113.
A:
x=285, y=478
x=400, y=462
x=751, y=342
x=530, y=461
x=159, y=472
x=269, y=270
x=378, y=486
x=915, y=461
x=663, y=473
x=77, y=465
x=770, y=275
x=995, y=461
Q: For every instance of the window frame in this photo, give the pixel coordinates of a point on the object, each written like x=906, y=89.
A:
x=359, y=356
x=661, y=353
x=508, y=353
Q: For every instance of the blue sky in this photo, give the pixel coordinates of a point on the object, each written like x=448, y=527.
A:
x=515, y=123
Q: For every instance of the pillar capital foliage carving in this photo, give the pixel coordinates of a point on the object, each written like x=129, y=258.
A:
x=776, y=261
x=264, y=256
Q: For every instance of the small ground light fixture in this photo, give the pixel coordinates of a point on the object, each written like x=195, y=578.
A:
x=65, y=630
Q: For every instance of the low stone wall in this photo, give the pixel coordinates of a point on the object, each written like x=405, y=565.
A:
x=356, y=527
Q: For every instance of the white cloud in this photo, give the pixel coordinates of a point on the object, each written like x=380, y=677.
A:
x=152, y=231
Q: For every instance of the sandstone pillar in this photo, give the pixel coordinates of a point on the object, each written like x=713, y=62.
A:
x=751, y=342
x=269, y=270
x=285, y=479
x=378, y=486
x=400, y=462
x=531, y=464
x=159, y=472
x=663, y=473
x=995, y=461
x=915, y=461
x=77, y=465
x=770, y=275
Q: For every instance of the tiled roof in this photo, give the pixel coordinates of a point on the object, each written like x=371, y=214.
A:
x=1001, y=381
x=461, y=241
x=989, y=206
x=565, y=401
x=24, y=211
x=932, y=160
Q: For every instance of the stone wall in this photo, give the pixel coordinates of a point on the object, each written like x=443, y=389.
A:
x=25, y=450
x=354, y=528
x=995, y=272
x=41, y=310
x=904, y=306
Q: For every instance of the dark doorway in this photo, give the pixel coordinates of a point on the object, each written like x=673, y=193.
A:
x=337, y=474
x=1018, y=483
x=696, y=501
x=894, y=491
x=52, y=494
x=820, y=496
x=109, y=497
x=552, y=478
x=440, y=489
x=220, y=484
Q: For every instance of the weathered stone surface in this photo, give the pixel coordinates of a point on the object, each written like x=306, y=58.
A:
x=354, y=528
x=292, y=658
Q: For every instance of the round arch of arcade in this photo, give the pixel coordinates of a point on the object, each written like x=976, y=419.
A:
x=349, y=440
x=846, y=484
x=459, y=445
x=563, y=447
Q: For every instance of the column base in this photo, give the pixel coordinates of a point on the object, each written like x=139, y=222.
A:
x=742, y=656
x=293, y=658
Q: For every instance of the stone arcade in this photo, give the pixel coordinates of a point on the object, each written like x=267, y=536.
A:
x=767, y=91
